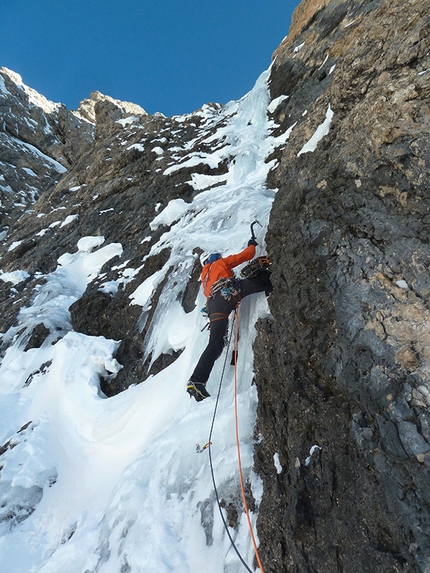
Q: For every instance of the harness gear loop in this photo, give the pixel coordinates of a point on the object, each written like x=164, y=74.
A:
x=218, y=316
x=228, y=288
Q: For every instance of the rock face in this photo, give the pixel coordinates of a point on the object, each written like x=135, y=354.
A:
x=39, y=140
x=119, y=175
x=344, y=366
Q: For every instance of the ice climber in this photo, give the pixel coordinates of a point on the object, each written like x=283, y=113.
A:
x=223, y=292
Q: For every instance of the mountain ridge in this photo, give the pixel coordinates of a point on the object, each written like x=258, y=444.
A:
x=330, y=151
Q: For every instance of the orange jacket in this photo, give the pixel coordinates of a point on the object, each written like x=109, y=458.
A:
x=222, y=268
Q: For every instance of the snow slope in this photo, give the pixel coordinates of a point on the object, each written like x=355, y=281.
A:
x=112, y=485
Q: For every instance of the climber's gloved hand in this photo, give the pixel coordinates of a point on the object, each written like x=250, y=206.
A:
x=252, y=241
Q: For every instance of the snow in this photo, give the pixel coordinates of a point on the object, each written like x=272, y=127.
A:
x=29, y=172
x=174, y=211
x=277, y=463
x=205, y=158
x=402, y=284
x=137, y=146
x=311, y=453
x=69, y=219
x=115, y=484
x=322, y=65
x=143, y=294
x=127, y=120
x=28, y=148
x=33, y=96
x=14, y=245
x=321, y=132
x=274, y=104
x=3, y=88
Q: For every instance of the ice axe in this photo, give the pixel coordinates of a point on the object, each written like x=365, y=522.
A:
x=252, y=228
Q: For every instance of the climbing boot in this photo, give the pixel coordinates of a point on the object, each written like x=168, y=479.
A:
x=197, y=390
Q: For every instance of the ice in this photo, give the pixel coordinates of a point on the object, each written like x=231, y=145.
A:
x=50, y=307
x=14, y=277
x=142, y=295
x=277, y=463
x=115, y=484
x=321, y=131
x=322, y=65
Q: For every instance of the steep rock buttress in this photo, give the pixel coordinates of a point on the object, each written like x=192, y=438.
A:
x=343, y=369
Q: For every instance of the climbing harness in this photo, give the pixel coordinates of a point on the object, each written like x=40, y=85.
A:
x=213, y=318
x=209, y=444
x=227, y=288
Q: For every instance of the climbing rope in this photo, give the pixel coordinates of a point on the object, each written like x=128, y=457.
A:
x=209, y=444
x=236, y=420
x=211, y=462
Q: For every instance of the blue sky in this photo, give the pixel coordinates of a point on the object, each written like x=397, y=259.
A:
x=170, y=56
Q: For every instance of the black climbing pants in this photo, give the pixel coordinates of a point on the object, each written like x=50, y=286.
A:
x=219, y=309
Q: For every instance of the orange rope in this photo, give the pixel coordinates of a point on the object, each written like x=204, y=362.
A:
x=245, y=504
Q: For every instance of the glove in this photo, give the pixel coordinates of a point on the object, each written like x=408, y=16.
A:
x=252, y=242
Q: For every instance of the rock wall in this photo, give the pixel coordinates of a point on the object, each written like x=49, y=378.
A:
x=343, y=368
x=125, y=167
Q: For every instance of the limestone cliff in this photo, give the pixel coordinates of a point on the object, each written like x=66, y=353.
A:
x=344, y=365
x=342, y=440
